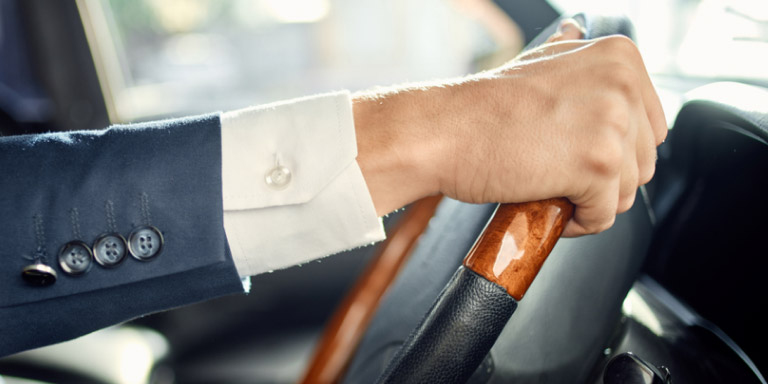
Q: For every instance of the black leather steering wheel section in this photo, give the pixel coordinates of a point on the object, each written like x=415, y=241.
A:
x=452, y=341
x=440, y=250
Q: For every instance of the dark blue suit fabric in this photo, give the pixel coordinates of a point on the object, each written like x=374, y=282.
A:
x=55, y=188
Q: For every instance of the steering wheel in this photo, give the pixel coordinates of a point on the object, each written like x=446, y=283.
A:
x=456, y=334
x=477, y=302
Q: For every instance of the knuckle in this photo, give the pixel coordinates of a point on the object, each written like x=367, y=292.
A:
x=625, y=80
x=607, y=224
x=622, y=79
x=618, y=44
x=646, y=174
x=606, y=156
x=611, y=117
x=602, y=225
x=617, y=120
x=621, y=62
x=626, y=203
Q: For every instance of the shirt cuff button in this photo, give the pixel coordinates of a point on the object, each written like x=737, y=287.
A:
x=278, y=177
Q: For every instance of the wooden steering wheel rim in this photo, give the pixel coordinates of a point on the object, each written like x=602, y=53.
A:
x=349, y=322
x=517, y=241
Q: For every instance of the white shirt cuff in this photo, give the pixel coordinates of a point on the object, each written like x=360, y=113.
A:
x=292, y=189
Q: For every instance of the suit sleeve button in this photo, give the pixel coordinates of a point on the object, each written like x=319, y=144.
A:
x=109, y=249
x=75, y=257
x=145, y=242
x=278, y=177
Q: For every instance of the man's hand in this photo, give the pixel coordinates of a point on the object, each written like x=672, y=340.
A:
x=577, y=119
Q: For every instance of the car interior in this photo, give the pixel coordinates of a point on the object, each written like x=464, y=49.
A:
x=671, y=293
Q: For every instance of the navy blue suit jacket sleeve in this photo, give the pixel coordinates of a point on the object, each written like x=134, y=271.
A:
x=56, y=188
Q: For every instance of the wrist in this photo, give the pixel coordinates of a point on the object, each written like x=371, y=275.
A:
x=400, y=149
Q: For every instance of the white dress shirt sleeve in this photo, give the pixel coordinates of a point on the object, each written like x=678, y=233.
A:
x=292, y=189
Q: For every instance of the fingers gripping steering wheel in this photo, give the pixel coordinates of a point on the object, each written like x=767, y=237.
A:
x=482, y=295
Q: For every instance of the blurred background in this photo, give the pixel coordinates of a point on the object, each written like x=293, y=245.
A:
x=145, y=59
x=85, y=64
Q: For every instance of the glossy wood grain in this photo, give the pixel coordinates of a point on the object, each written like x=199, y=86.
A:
x=517, y=241
x=347, y=326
